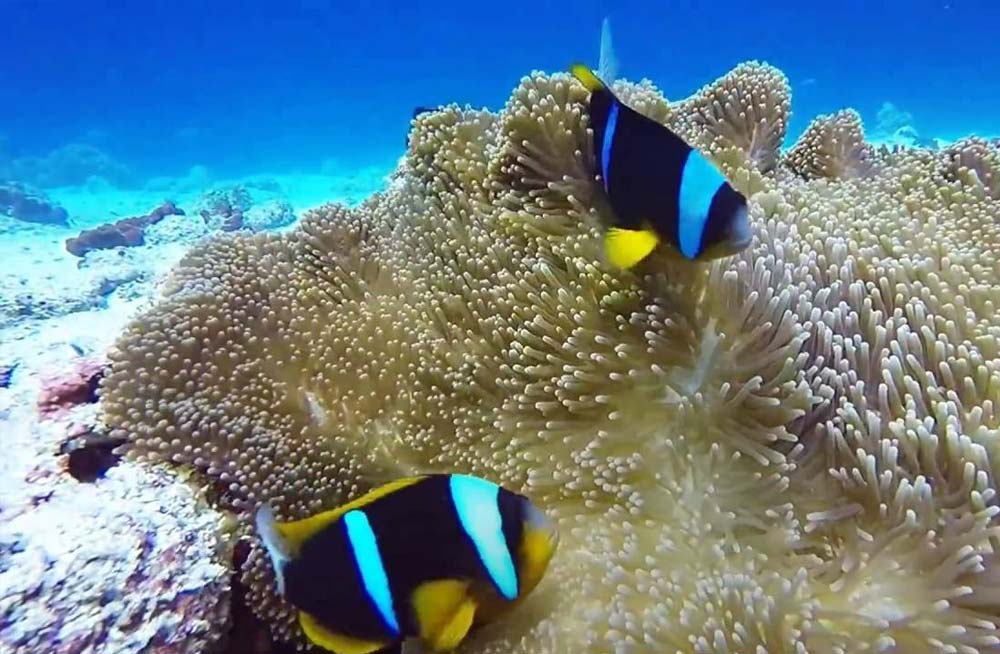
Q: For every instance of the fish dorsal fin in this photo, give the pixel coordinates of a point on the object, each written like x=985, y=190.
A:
x=439, y=607
x=333, y=641
x=627, y=247
x=297, y=532
x=607, y=67
x=587, y=77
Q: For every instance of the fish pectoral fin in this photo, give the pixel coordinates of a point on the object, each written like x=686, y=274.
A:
x=444, y=612
x=587, y=77
x=627, y=247
x=335, y=642
x=457, y=627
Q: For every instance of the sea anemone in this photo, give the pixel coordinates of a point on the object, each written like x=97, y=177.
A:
x=789, y=450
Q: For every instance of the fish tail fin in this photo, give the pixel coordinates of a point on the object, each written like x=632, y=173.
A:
x=587, y=77
x=276, y=546
x=607, y=67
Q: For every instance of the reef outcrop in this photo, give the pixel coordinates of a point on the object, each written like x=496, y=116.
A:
x=791, y=450
x=30, y=206
x=98, y=555
x=127, y=232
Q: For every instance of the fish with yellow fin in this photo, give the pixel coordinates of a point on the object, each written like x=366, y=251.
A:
x=660, y=188
x=418, y=560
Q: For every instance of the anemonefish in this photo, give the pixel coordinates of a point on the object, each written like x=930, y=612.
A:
x=418, y=559
x=659, y=187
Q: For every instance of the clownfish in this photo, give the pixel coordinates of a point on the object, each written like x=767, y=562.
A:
x=659, y=187
x=420, y=558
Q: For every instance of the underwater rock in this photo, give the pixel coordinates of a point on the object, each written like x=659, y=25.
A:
x=790, y=450
x=231, y=208
x=223, y=208
x=128, y=232
x=269, y=215
x=130, y=565
x=267, y=184
x=77, y=386
x=22, y=203
x=89, y=453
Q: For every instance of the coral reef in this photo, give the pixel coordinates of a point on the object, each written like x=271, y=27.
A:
x=127, y=232
x=223, y=208
x=71, y=164
x=229, y=208
x=21, y=203
x=791, y=450
x=98, y=556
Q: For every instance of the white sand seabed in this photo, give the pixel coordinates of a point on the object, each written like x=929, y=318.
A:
x=97, y=202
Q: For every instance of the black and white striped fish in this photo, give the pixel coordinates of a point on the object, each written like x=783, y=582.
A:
x=421, y=557
x=659, y=187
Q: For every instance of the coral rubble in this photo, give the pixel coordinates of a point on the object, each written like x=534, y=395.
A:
x=787, y=451
x=127, y=232
x=98, y=556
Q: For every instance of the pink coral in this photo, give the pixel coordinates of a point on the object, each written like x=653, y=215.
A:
x=66, y=390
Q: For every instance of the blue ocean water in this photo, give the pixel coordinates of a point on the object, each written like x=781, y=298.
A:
x=246, y=87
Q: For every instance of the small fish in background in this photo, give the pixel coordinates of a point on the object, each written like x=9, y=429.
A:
x=418, y=560
x=7, y=374
x=659, y=187
x=80, y=352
